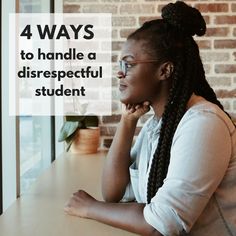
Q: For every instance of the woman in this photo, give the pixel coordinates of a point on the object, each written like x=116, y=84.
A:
x=181, y=171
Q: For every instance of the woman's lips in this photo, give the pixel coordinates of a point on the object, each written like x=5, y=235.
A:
x=122, y=87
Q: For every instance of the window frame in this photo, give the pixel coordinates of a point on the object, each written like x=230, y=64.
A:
x=8, y=123
x=1, y=208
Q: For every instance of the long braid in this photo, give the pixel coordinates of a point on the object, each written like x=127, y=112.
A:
x=171, y=117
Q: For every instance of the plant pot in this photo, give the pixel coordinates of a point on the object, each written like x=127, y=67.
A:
x=86, y=141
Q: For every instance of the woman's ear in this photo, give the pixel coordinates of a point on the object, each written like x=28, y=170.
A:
x=165, y=70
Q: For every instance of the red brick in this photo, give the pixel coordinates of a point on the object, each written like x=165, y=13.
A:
x=223, y=93
x=234, y=32
x=230, y=68
x=114, y=58
x=214, y=7
x=137, y=9
x=207, y=68
x=214, y=56
x=114, y=33
x=225, y=20
x=116, y=46
x=100, y=8
x=234, y=106
x=202, y=7
x=233, y=7
x=71, y=8
x=233, y=115
x=116, y=107
x=143, y=19
x=107, y=142
x=124, y=33
x=225, y=43
x=123, y=21
x=115, y=94
x=234, y=54
x=207, y=19
x=219, y=81
x=226, y=104
x=114, y=82
x=204, y=44
x=111, y=119
x=159, y=7
x=107, y=131
x=115, y=69
x=167, y=1
x=223, y=31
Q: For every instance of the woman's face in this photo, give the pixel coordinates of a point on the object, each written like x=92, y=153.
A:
x=141, y=80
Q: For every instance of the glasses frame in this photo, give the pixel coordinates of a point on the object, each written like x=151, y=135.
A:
x=124, y=65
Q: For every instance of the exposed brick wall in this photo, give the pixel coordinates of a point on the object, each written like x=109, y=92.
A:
x=218, y=46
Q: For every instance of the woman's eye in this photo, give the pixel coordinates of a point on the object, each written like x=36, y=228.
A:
x=130, y=65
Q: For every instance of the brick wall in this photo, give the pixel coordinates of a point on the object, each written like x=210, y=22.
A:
x=218, y=46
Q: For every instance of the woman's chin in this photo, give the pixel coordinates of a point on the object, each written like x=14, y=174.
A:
x=126, y=100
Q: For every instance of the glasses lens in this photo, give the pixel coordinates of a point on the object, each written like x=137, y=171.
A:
x=123, y=66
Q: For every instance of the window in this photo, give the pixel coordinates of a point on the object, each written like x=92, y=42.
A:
x=28, y=144
x=37, y=148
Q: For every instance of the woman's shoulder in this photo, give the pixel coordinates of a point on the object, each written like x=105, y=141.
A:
x=209, y=112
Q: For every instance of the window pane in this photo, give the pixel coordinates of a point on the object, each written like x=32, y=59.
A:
x=35, y=131
x=35, y=148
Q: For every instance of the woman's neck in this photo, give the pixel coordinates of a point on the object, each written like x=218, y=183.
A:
x=158, y=106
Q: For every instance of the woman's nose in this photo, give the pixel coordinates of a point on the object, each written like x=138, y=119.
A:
x=120, y=74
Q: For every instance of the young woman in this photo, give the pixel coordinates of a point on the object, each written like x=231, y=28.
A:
x=181, y=171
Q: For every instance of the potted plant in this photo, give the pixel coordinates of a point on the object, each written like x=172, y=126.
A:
x=81, y=133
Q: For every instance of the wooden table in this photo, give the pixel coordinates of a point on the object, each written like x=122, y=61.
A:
x=40, y=211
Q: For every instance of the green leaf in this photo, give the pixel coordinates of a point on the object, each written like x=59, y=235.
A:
x=68, y=128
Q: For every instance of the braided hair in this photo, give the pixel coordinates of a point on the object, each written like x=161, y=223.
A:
x=170, y=39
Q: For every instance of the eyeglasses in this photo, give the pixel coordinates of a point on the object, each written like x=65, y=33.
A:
x=124, y=65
